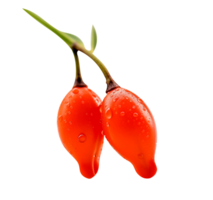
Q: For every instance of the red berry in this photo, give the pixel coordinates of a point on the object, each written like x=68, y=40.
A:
x=130, y=129
x=80, y=128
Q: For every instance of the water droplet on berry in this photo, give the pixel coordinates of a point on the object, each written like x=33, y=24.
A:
x=122, y=114
x=70, y=122
x=102, y=132
x=108, y=113
x=133, y=107
x=135, y=114
x=107, y=124
x=82, y=138
x=65, y=121
x=97, y=100
x=75, y=91
x=140, y=100
x=114, y=100
x=82, y=102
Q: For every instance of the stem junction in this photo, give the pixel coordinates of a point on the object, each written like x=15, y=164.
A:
x=111, y=84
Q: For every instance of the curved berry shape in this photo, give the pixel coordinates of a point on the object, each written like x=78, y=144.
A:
x=130, y=129
x=79, y=126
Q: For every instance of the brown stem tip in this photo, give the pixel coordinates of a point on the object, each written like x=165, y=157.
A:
x=79, y=83
x=111, y=85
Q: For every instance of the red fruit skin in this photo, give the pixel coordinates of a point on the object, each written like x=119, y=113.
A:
x=130, y=130
x=79, y=114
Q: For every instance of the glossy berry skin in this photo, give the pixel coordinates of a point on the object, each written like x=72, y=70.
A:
x=80, y=128
x=130, y=129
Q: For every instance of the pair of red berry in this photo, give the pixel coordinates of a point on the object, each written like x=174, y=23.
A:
x=84, y=118
x=122, y=116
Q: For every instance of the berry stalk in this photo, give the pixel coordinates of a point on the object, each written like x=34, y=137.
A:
x=111, y=84
x=78, y=78
x=76, y=45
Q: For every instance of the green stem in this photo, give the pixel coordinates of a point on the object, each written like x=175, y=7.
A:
x=62, y=35
x=111, y=84
x=78, y=79
x=96, y=60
